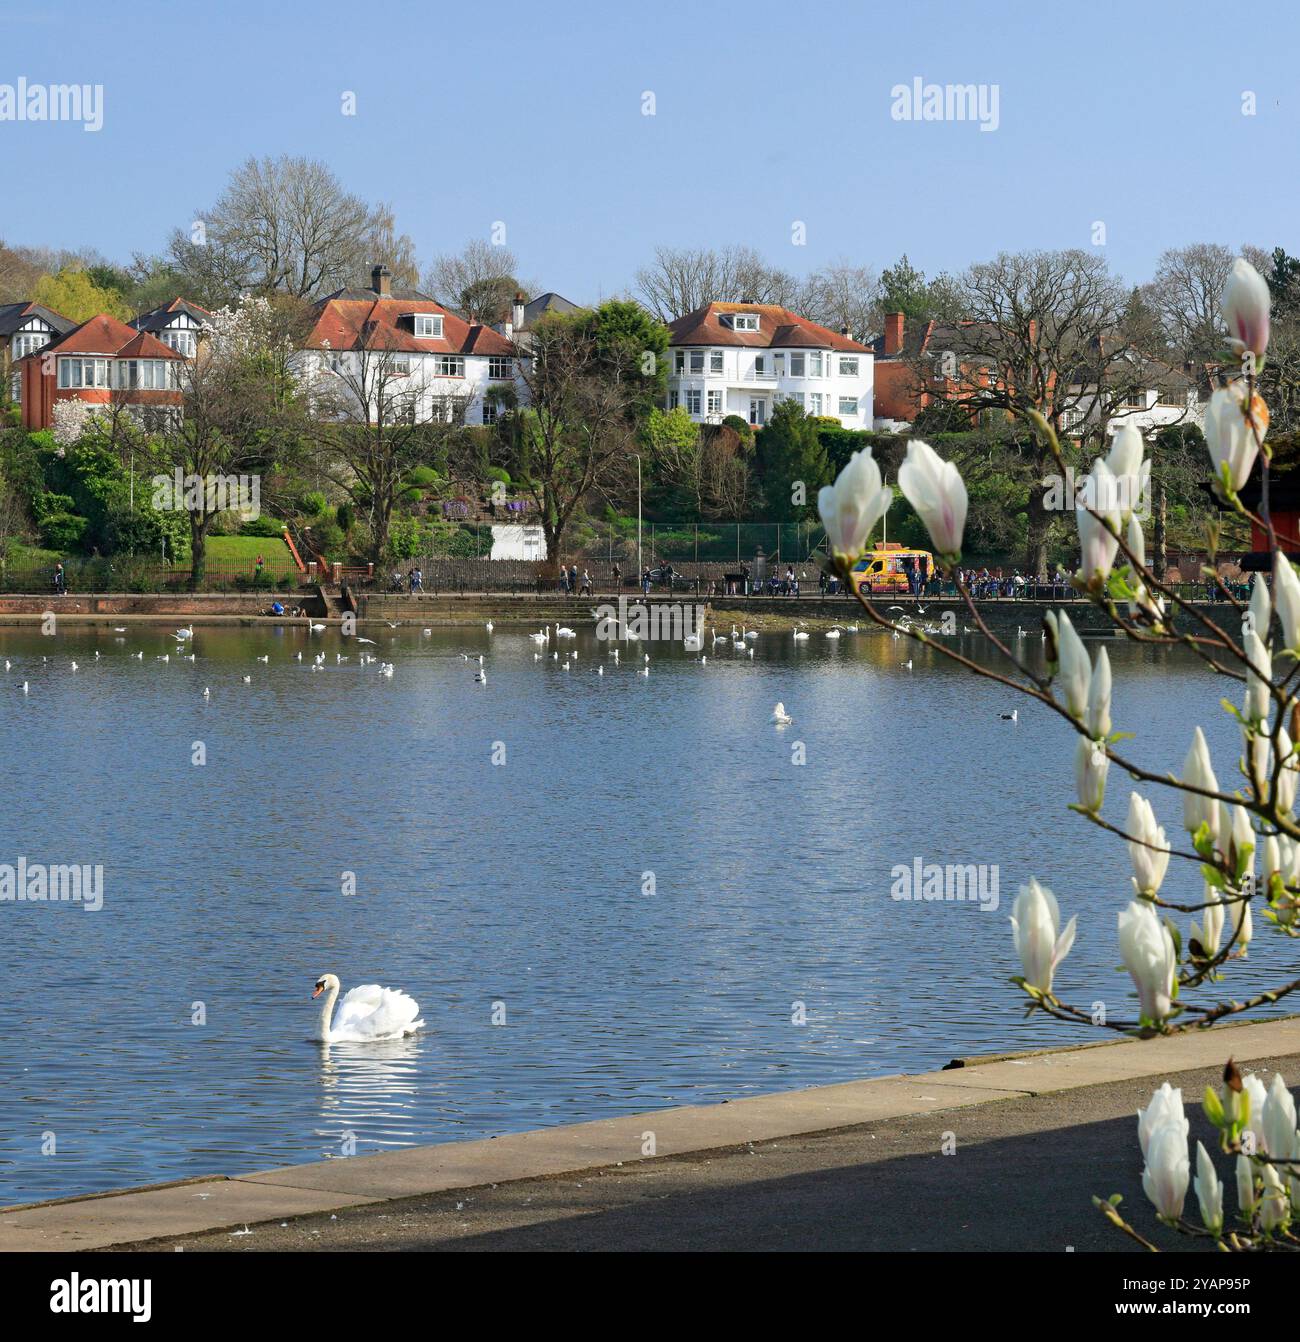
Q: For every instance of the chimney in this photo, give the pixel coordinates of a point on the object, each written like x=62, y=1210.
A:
x=893, y=332
x=517, y=311
x=381, y=281
x=844, y=330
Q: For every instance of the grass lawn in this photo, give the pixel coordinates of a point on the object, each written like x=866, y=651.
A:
x=236, y=551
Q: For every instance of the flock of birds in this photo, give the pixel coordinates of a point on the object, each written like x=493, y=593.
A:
x=740, y=641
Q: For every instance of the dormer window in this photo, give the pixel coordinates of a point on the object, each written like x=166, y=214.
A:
x=428, y=326
x=744, y=321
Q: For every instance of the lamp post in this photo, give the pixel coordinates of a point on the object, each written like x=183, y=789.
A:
x=639, y=569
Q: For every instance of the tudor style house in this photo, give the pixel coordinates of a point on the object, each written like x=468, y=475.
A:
x=101, y=362
x=178, y=324
x=25, y=328
x=742, y=358
x=400, y=346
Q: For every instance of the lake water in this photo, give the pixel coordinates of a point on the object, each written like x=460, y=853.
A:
x=522, y=883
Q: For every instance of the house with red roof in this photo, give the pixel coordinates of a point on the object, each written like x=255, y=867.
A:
x=742, y=358
x=25, y=328
x=101, y=362
x=399, y=347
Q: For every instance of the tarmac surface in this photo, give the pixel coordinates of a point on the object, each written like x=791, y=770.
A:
x=1021, y=1176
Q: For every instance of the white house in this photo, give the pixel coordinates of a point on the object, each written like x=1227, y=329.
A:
x=1160, y=396
x=178, y=324
x=742, y=358
x=374, y=339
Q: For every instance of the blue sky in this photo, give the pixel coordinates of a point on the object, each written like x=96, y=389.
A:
x=765, y=114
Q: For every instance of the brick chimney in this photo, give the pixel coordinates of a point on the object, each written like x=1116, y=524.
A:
x=893, y=332
x=381, y=281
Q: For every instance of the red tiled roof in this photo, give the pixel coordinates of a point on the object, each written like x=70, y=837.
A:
x=778, y=328
x=349, y=324
x=105, y=335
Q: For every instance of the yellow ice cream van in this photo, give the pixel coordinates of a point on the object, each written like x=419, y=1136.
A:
x=887, y=568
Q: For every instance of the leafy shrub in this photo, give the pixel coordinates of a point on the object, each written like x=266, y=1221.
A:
x=264, y=526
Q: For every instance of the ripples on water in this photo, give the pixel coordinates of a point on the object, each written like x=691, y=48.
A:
x=521, y=883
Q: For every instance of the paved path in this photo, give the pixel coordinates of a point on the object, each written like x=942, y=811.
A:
x=1022, y=1177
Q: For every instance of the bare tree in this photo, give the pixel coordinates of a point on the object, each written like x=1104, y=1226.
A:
x=843, y=296
x=285, y=225
x=18, y=273
x=575, y=433
x=683, y=279
x=377, y=417
x=479, y=281
x=239, y=408
x=1044, y=336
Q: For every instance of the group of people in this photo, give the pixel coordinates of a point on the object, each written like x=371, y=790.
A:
x=409, y=582
x=983, y=584
x=571, y=584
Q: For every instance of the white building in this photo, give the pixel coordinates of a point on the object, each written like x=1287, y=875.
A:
x=178, y=324
x=1160, y=396
x=742, y=358
x=399, y=345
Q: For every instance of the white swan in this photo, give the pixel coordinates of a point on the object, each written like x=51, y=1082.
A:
x=832, y=633
x=800, y=634
x=780, y=716
x=187, y=632
x=366, y=1013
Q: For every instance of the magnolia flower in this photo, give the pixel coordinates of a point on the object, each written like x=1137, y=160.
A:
x=1245, y=309
x=1243, y=926
x=1126, y=466
x=1256, y=1096
x=1259, y=677
x=1166, y=1107
x=1199, y=773
x=1287, y=776
x=1236, y=836
x=1147, y=950
x=1148, y=849
x=1099, y=535
x=1209, y=1191
x=1260, y=610
x=851, y=507
x=1075, y=673
x=936, y=491
x=1247, y=1198
x=1209, y=931
x=1091, y=766
x=1231, y=435
x=1272, y=861
x=1035, y=920
x=1143, y=601
x=1274, y=1206
x=1286, y=595
x=1164, y=1180
x=1099, y=698
x=1278, y=1124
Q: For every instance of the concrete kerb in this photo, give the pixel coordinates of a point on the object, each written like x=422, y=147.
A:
x=134, y=1215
